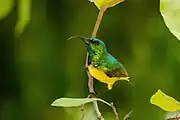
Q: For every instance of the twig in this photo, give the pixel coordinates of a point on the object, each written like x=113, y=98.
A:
x=127, y=115
x=114, y=110
x=98, y=21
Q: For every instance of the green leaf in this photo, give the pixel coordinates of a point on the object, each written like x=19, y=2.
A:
x=100, y=3
x=5, y=7
x=165, y=102
x=172, y=115
x=24, y=12
x=170, y=10
x=75, y=102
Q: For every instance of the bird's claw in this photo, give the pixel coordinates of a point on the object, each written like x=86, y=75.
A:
x=92, y=95
x=85, y=69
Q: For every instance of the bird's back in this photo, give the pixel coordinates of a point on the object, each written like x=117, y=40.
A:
x=112, y=67
x=107, y=70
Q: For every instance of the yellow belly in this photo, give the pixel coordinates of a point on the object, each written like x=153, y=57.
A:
x=102, y=77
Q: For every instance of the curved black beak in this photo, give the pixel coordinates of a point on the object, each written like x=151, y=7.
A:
x=84, y=39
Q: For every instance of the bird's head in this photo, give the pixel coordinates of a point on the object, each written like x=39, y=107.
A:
x=94, y=45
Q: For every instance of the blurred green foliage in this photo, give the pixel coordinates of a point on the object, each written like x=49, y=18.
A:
x=24, y=13
x=5, y=7
x=170, y=11
x=41, y=65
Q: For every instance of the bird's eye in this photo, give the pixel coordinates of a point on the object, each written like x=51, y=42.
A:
x=95, y=42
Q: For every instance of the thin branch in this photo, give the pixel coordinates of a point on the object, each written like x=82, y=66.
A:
x=94, y=33
x=98, y=21
x=91, y=82
x=127, y=115
x=114, y=110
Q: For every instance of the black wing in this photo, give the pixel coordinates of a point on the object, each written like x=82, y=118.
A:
x=118, y=72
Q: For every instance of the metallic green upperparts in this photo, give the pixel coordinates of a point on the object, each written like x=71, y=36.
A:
x=99, y=57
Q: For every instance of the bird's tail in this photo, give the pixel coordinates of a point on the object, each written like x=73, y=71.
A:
x=130, y=82
x=127, y=79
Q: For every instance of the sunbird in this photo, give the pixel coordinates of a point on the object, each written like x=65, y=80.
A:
x=102, y=65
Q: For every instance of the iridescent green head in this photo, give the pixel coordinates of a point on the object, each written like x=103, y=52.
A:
x=94, y=45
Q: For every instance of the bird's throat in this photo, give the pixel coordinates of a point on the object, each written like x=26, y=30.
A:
x=96, y=58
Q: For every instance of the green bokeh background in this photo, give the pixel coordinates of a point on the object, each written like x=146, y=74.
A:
x=41, y=65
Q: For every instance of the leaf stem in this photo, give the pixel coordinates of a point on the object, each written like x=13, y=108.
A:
x=127, y=115
x=99, y=116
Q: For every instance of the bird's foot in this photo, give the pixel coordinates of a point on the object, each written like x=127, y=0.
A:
x=85, y=69
x=92, y=95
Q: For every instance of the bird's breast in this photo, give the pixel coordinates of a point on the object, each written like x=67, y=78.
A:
x=96, y=73
x=102, y=77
